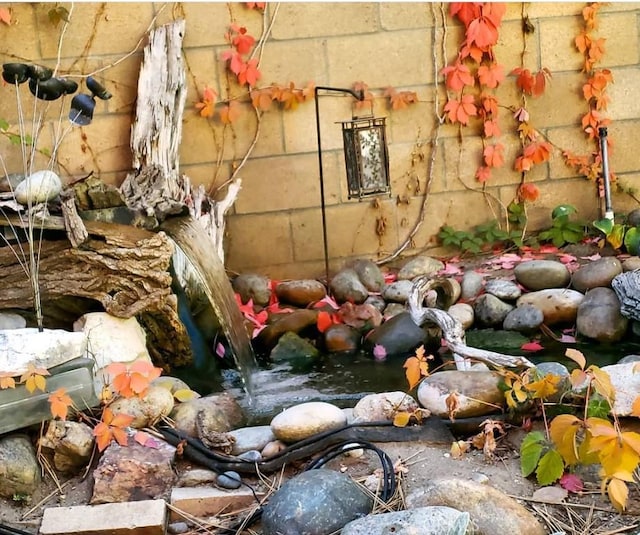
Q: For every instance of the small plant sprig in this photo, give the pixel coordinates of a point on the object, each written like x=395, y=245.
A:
x=563, y=230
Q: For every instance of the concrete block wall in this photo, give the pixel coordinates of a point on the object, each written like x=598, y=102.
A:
x=275, y=226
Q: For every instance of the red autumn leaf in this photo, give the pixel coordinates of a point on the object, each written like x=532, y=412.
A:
x=112, y=426
x=457, y=76
x=491, y=128
x=324, y=321
x=489, y=104
x=494, y=11
x=538, y=151
x=523, y=164
x=255, y=5
x=367, y=102
x=531, y=346
x=521, y=114
x=5, y=16
x=491, y=75
x=249, y=73
x=236, y=63
x=494, y=155
x=230, y=113
x=483, y=32
x=242, y=41
x=483, y=173
x=528, y=192
x=465, y=11
x=540, y=82
x=400, y=100
x=571, y=482
x=206, y=105
x=461, y=110
x=471, y=51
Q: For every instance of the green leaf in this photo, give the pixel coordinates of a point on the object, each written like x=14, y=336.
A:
x=4, y=125
x=598, y=407
x=14, y=139
x=632, y=241
x=604, y=225
x=550, y=468
x=571, y=236
x=530, y=452
x=563, y=210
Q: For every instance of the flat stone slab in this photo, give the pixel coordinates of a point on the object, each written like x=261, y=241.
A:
x=207, y=501
x=147, y=517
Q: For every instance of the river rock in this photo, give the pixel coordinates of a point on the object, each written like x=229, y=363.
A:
x=295, y=322
x=41, y=186
x=252, y=286
x=599, y=316
x=399, y=335
x=477, y=392
x=542, y=274
x=471, y=285
x=626, y=382
x=301, y=421
x=19, y=468
x=294, y=349
x=134, y=472
x=383, y=407
x=503, y=289
x=524, y=319
x=369, y=274
x=10, y=181
x=398, y=291
x=221, y=412
x=597, y=273
x=315, y=502
x=463, y=312
x=559, y=305
x=631, y=264
x=490, y=311
x=146, y=410
x=491, y=511
x=70, y=444
x=340, y=338
x=272, y=448
x=376, y=301
x=393, y=309
x=301, y=293
x=633, y=218
x=347, y=287
x=229, y=480
x=10, y=320
x=251, y=438
x=418, y=266
x=363, y=317
x=435, y=520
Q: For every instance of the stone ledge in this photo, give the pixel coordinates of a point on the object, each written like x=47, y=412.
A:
x=206, y=501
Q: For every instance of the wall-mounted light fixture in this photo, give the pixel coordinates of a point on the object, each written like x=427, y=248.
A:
x=365, y=155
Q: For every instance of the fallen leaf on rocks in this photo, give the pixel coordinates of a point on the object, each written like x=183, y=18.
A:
x=552, y=494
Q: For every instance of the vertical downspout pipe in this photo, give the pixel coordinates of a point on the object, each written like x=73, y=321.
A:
x=608, y=208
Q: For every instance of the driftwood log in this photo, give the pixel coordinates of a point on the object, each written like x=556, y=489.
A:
x=627, y=288
x=453, y=332
x=123, y=268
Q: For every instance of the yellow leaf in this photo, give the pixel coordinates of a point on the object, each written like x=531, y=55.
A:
x=545, y=387
x=401, y=419
x=7, y=381
x=459, y=448
x=563, y=432
x=579, y=379
x=577, y=357
x=185, y=394
x=618, y=494
x=602, y=383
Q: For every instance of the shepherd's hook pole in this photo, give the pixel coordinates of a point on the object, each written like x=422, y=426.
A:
x=608, y=208
x=359, y=96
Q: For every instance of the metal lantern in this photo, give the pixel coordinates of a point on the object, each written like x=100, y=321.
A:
x=366, y=157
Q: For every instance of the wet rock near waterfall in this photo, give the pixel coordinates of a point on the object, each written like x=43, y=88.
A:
x=369, y=274
x=306, y=419
x=553, y=368
x=295, y=350
x=39, y=187
x=496, y=340
x=419, y=266
x=316, y=502
x=19, y=468
x=627, y=288
x=626, y=383
x=631, y=264
x=221, y=412
x=477, y=393
x=134, y=472
x=597, y=273
x=524, y=319
x=503, y=289
x=341, y=338
x=599, y=316
x=434, y=520
x=558, y=305
x=69, y=443
x=251, y=438
x=399, y=335
x=251, y=286
x=471, y=285
x=376, y=301
x=294, y=322
x=346, y=287
x=490, y=510
x=300, y=293
x=490, y=311
x=363, y=317
x=542, y=274
x=398, y=291
x=383, y=407
x=463, y=312
x=10, y=320
x=146, y=410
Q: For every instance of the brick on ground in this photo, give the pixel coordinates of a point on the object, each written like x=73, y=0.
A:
x=146, y=517
x=202, y=502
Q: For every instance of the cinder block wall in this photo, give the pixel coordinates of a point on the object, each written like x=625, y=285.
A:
x=275, y=225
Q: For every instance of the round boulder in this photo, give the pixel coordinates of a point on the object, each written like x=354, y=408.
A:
x=301, y=293
x=542, y=274
x=420, y=265
x=599, y=316
x=490, y=311
x=558, y=305
x=597, y=273
x=347, y=287
x=383, y=407
x=252, y=286
x=307, y=419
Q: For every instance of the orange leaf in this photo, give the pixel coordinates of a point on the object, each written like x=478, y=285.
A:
x=416, y=367
x=60, y=403
x=6, y=380
x=483, y=173
x=325, y=320
x=489, y=104
x=457, y=76
x=249, y=73
x=5, y=15
x=465, y=11
x=494, y=155
x=262, y=98
x=577, y=357
x=453, y=403
x=462, y=110
x=528, y=192
x=483, y=32
x=491, y=128
x=243, y=41
x=491, y=75
x=401, y=419
x=116, y=368
x=230, y=113
x=120, y=420
x=120, y=435
x=523, y=164
x=563, y=432
x=635, y=408
x=583, y=42
x=103, y=435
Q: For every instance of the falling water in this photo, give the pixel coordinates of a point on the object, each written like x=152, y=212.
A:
x=199, y=258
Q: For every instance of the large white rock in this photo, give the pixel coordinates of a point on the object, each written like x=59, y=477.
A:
x=41, y=186
x=111, y=339
x=625, y=379
x=301, y=421
x=20, y=347
x=383, y=407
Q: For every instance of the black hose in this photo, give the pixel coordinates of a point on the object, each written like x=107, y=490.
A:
x=8, y=530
